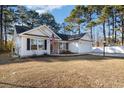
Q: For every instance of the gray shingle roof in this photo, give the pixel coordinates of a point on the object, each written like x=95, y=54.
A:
x=21, y=29
x=71, y=37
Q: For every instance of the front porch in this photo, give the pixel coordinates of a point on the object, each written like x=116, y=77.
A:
x=59, y=47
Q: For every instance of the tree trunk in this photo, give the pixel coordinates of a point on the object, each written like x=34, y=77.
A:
x=109, y=33
x=122, y=24
x=115, y=37
x=1, y=25
x=5, y=32
x=91, y=28
x=104, y=33
x=113, y=30
x=79, y=29
x=97, y=39
x=91, y=33
x=122, y=38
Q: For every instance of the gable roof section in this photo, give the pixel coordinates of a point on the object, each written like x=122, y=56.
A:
x=23, y=29
x=71, y=37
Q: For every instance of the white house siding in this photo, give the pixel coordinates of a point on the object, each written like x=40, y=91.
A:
x=37, y=32
x=23, y=52
x=85, y=47
x=80, y=47
x=73, y=47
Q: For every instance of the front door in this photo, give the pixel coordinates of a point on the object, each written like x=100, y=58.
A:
x=54, y=48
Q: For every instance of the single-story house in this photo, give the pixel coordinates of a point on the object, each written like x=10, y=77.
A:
x=42, y=40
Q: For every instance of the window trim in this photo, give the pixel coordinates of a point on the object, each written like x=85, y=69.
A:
x=37, y=44
x=31, y=44
x=43, y=44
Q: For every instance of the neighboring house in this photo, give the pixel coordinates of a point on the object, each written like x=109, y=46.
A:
x=42, y=40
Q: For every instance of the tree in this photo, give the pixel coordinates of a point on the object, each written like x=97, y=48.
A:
x=33, y=19
x=120, y=12
x=49, y=20
x=21, y=15
x=75, y=18
x=103, y=19
x=7, y=21
x=68, y=27
x=1, y=25
x=89, y=12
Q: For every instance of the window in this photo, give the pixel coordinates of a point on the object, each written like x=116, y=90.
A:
x=66, y=46
x=36, y=44
x=41, y=45
x=60, y=46
x=33, y=44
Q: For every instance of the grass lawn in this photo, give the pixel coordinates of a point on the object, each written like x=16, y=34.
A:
x=78, y=71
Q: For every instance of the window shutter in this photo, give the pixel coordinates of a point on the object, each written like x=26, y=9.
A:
x=66, y=46
x=28, y=43
x=45, y=44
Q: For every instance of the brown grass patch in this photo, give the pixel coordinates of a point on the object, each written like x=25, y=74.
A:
x=79, y=71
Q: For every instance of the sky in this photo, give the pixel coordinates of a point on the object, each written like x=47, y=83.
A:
x=60, y=12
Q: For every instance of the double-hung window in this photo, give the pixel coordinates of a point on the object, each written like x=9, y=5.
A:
x=41, y=45
x=36, y=44
x=33, y=44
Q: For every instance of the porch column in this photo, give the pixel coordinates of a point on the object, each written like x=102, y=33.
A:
x=58, y=46
x=48, y=46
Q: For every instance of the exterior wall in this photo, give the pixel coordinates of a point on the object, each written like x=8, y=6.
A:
x=73, y=46
x=23, y=52
x=80, y=47
x=85, y=47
